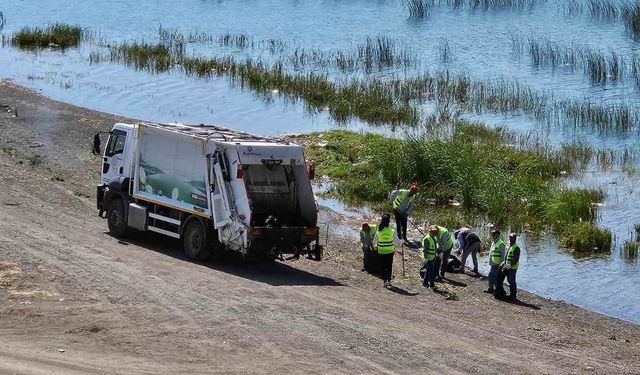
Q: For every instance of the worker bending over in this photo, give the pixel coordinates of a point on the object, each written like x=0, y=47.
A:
x=496, y=257
x=511, y=264
x=445, y=245
x=367, y=234
x=428, y=255
x=403, y=201
x=385, y=240
x=469, y=244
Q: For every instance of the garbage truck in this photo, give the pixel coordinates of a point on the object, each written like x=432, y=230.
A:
x=215, y=189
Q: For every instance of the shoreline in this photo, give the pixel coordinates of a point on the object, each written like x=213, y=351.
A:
x=75, y=288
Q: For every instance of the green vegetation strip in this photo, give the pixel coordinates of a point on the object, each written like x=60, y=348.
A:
x=54, y=36
x=374, y=100
x=513, y=187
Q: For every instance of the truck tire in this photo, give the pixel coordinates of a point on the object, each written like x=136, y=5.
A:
x=116, y=219
x=195, y=241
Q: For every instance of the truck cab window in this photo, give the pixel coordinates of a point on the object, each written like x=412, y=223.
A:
x=116, y=143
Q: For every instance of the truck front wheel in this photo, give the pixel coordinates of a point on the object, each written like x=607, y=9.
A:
x=195, y=241
x=115, y=218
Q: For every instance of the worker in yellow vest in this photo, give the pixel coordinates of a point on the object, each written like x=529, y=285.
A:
x=403, y=201
x=384, y=241
x=445, y=245
x=496, y=257
x=511, y=265
x=367, y=234
x=428, y=255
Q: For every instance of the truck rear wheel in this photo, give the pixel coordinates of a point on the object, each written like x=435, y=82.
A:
x=195, y=241
x=115, y=218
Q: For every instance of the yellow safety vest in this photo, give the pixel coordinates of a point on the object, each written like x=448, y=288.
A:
x=385, y=241
x=428, y=250
x=510, y=254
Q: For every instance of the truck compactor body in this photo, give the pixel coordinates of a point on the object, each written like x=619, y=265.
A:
x=214, y=188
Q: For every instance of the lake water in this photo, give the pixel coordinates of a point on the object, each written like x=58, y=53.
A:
x=480, y=44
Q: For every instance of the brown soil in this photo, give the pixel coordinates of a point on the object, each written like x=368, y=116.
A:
x=74, y=300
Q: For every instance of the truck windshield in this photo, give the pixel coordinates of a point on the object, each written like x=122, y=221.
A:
x=116, y=143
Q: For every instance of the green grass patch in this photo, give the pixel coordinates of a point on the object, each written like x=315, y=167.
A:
x=512, y=186
x=586, y=238
x=55, y=36
x=57, y=176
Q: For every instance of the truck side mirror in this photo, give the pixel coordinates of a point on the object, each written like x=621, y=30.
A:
x=96, y=144
x=311, y=169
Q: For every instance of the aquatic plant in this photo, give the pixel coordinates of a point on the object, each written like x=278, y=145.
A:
x=630, y=250
x=568, y=206
x=417, y=8
x=60, y=36
x=444, y=50
x=608, y=10
x=151, y=57
x=600, y=66
x=586, y=238
x=375, y=100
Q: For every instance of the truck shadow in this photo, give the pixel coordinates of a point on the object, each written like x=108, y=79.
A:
x=274, y=273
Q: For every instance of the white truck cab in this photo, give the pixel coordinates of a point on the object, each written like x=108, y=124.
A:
x=117, y=154
x=215, y=188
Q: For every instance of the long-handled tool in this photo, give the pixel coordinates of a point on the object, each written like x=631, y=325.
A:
x=415, y=226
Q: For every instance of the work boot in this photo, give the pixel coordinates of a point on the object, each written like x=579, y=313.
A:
x=490, y=291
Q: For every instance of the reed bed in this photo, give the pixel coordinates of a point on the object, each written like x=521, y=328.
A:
x=374, y=100
x=585, y=238
x=626, y=11
x=374, y=54
x=600, y=66
x=58, y=36
x=417, y=8
x=490, y=4
x=472, y=165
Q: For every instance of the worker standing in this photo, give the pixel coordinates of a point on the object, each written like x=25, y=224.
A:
x=403, y=201
x=511, y=264
x=367, y=234
x=445, y=245
x=428, y=255
x=469, y=244
x=385, y=240
x=496, y=257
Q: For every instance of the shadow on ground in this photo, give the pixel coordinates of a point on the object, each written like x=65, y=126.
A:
x=274, y=273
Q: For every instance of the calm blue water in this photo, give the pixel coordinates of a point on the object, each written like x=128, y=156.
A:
x=480, y=44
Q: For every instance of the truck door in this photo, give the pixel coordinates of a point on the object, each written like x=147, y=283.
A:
x=220, y=200
x=113, y=162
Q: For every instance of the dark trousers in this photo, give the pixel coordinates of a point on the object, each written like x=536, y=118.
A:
x=366, y=258
x=499, y=292
x=493, y=276
x=401, y=224
x=386, y=266
x=511, y=279
x=441, y=265
x=428, y=272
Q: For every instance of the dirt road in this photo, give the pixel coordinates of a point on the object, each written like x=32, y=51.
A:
x=74, y=300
